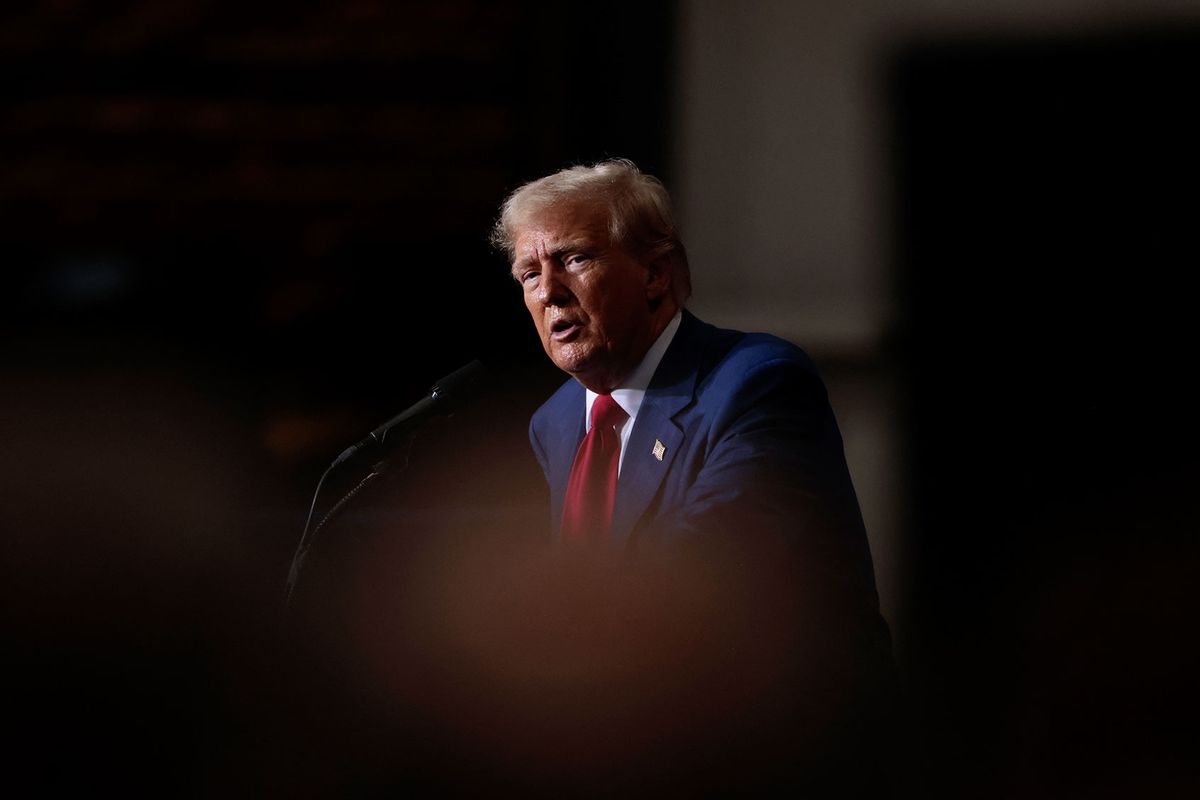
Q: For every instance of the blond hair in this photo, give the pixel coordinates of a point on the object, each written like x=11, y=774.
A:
x=640, y=216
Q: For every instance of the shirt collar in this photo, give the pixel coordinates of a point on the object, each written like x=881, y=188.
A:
x=632, y=390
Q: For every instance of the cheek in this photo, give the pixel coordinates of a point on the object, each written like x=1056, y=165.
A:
x=614, y=310
x=531, y=307
x=593, y=297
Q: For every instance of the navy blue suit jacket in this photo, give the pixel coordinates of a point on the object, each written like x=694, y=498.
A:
x=752, y=451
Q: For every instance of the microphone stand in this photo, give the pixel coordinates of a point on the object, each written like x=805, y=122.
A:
x=442, y=392
x=307, y=539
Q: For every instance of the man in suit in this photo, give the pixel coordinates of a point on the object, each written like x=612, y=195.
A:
x=712, y=449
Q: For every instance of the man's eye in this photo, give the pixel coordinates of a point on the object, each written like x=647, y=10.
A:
x=575, y=259
x=526, y=277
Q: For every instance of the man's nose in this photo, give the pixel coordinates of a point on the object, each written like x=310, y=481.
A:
x=551, y=290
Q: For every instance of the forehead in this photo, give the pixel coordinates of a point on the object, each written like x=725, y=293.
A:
x=559, y=224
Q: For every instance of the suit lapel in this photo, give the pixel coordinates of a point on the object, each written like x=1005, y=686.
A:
x=642, y=473
x=568, y=433
x=670, y=391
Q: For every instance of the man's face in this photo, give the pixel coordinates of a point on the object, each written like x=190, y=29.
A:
x=592, y=302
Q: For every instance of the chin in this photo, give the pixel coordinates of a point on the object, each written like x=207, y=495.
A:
x=572, y=360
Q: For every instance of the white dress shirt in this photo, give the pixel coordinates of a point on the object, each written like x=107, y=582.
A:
x=631, y=391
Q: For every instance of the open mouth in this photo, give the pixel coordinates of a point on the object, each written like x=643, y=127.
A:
x=562, y=329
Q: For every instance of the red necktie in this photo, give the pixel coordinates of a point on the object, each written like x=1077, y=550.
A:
x=587, y=509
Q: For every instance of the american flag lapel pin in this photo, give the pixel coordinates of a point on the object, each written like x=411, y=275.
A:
x=658, y=450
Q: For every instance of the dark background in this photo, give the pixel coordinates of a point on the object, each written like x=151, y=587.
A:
x=1044, y=228
x=236, y=238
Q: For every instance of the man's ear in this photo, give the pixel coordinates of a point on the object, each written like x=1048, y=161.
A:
x=658, y=278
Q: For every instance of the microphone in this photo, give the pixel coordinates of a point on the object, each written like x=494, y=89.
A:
x=441, y=394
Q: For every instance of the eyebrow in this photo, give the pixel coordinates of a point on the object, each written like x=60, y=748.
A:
x=561, y=249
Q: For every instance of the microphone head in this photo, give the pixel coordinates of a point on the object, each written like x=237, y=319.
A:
x=456, y=382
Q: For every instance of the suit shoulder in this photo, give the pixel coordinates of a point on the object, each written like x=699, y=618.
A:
x=756, y=351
